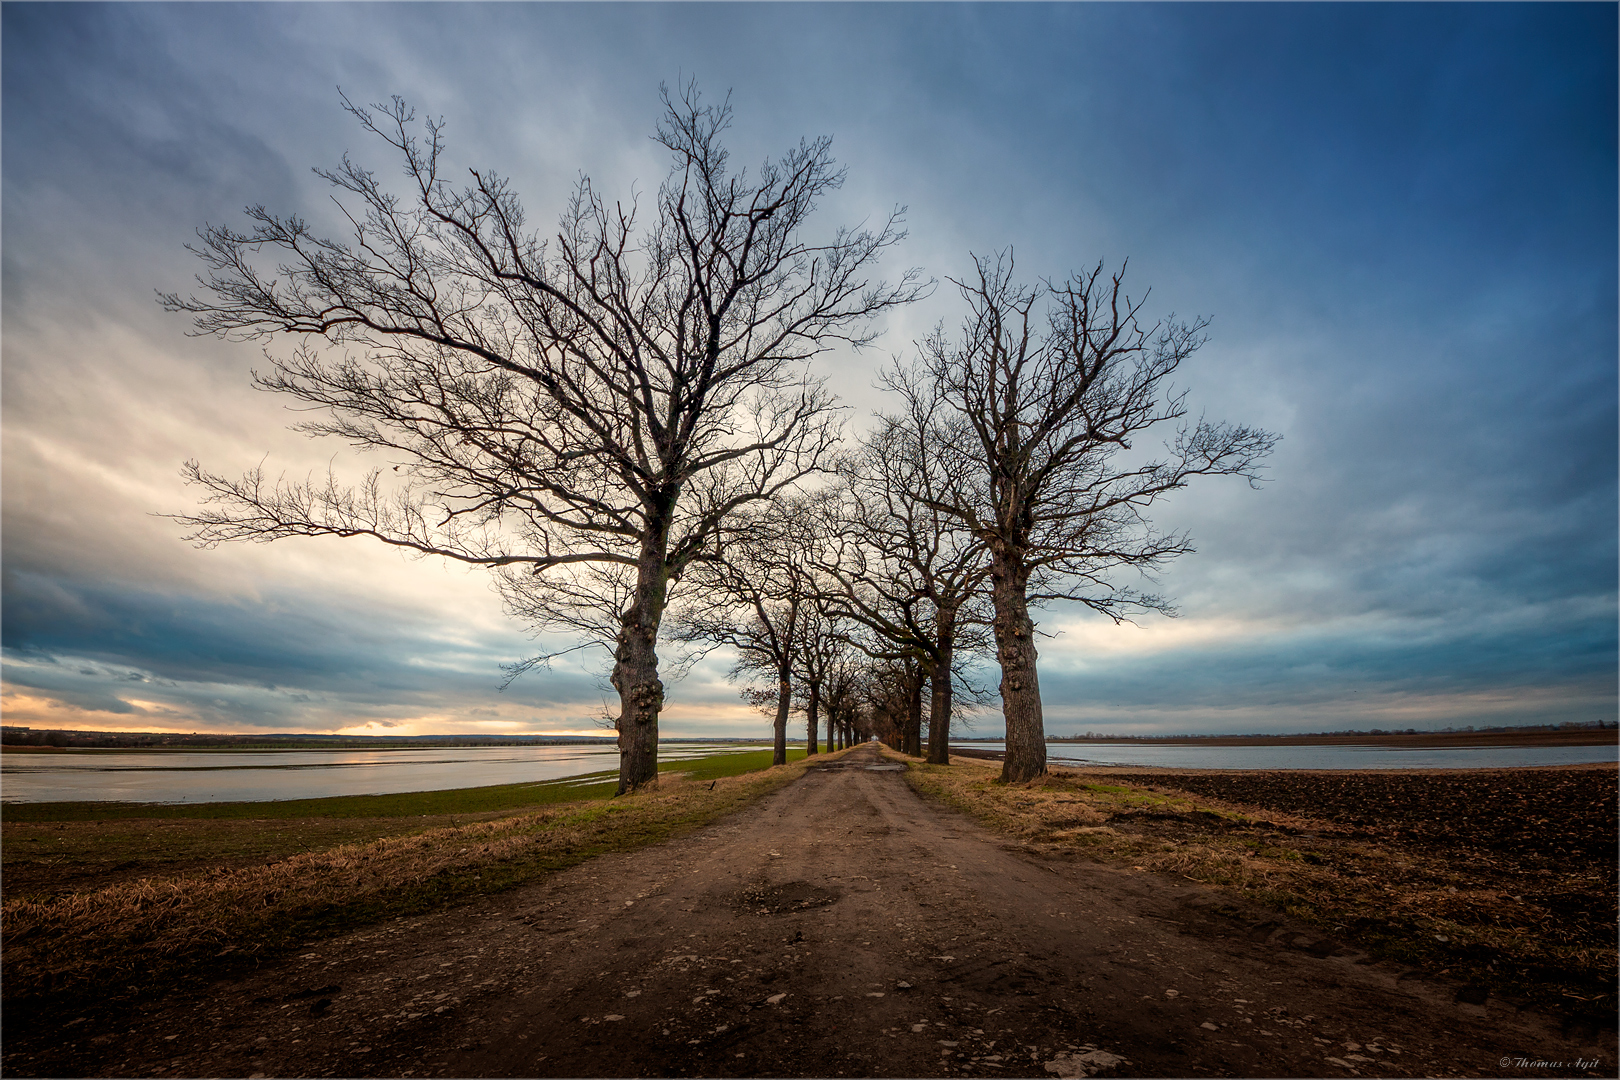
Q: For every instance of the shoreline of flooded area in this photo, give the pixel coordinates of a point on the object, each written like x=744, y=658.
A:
x=192, y=776
x=169, y=776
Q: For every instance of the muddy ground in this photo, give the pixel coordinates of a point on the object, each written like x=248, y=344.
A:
x=841, y=927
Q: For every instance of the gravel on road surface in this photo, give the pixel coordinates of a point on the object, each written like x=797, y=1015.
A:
x=840, y=927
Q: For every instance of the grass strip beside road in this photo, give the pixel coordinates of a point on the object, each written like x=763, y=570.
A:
x=143, y=933
x=473, y=800
x=53, y=848
x=1434, y=893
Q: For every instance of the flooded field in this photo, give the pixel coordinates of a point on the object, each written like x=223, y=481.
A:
x=181, y=776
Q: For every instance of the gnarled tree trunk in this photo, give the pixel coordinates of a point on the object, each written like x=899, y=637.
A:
x=635, y=665
x=812, y=721
x=1020, y=686
x=784, y=694
x=912, y=736
x=641, y=697
x=939, y=706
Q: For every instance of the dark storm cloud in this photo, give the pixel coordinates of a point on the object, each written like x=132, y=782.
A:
x=265, y=663
x=274, y=639
x=1559, y=650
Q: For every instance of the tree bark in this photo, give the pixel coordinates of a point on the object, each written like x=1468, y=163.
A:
x=784, y=694
x=939, y=704
x=635, y=665
x=641, y=697
x=913, y=731
x=812, y=720
x=1020, y=686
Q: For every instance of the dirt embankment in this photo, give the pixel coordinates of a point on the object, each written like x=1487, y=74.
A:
x=840, y=927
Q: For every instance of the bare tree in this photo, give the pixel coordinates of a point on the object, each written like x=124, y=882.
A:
x=846, y=684
x=756, y=597
x=1052, y=384
x=905, y=567
x=821, y=645
x=589, y=410
x=894, y=691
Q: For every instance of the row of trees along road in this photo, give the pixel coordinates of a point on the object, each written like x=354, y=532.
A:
x=624, y=411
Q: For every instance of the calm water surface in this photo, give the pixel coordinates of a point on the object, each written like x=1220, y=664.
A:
x=255, y=776
x=252, y=776
x=1314, y=757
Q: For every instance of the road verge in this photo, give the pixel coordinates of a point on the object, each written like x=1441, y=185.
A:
x=1415, y=867
x=141, y=934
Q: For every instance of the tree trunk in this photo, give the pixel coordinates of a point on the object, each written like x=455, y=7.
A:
x=1020, y=686
x=913, y=733
x=635, y=666
x=812, y=721
x=784, y=693
x=641, y=697
x=939, y=705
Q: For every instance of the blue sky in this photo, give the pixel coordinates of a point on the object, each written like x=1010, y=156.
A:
x=1400, y=218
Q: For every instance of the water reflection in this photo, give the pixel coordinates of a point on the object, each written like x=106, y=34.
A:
x=255, y=776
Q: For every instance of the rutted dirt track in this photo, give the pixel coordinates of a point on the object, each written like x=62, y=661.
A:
x=840, y=927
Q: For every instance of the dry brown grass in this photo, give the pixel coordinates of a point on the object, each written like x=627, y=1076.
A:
x=1416, y=903
x=147, y=929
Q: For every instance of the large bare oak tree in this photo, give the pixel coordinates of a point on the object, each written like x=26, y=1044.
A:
x=585, y=411
x=1053, y=386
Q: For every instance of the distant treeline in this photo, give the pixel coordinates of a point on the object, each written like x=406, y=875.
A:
x=1586, y=725
x=22, y=736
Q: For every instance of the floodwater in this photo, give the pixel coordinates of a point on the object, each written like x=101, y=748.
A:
x=185, y=776
x=1158, y=755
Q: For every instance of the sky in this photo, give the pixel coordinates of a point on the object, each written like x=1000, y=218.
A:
x=1400, y=219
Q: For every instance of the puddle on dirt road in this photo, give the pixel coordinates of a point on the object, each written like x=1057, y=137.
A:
x=788, y=897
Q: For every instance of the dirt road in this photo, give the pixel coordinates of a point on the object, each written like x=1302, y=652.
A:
x=841, y=927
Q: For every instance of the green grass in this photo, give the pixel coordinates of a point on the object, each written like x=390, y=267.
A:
x=52, y=848
x=493, y=798
x=76, y=940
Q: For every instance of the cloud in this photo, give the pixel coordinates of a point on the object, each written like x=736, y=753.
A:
x=1400, y=218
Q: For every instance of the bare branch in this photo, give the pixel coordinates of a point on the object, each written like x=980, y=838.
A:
x=595, y=406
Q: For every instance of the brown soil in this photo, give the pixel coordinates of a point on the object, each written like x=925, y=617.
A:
x=1534, y=819
x=840, y=927
x=1415, y=740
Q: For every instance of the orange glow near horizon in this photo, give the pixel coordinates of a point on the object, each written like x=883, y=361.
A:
x=23, y=709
